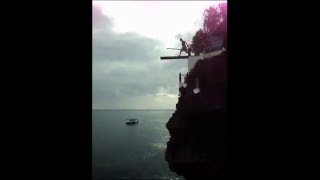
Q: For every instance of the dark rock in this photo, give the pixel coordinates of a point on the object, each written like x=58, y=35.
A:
x=197, y=148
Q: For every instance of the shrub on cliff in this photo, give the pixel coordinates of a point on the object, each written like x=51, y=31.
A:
x=199, y=41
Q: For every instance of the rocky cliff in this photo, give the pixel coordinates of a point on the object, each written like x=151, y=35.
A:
x=197, y=148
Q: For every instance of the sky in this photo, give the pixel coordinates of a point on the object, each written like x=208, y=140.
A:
x=128, y=38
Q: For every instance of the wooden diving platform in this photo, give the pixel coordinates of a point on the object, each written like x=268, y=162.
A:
x=173, y=57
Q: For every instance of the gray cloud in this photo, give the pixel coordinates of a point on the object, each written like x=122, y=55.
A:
x=123, y=47
x=127, y=70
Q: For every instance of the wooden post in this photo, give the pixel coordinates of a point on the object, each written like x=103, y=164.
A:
x=179, y=80
x=176, y=57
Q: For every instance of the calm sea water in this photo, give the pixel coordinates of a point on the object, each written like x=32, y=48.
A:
x=121, y=151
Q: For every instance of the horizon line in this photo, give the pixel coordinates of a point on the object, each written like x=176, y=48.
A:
x=134, y=109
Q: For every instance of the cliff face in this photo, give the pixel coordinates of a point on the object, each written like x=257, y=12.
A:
x=197, y=148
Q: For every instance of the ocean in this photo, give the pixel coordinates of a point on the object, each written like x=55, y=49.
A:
x=121, y=151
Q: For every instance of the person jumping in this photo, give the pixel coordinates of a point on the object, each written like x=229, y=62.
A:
x=184, y=47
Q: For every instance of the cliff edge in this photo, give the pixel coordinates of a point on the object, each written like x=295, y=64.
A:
x=197, y=148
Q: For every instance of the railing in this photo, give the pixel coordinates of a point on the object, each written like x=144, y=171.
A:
x=180, y=77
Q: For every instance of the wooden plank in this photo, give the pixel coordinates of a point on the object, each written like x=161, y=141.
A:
x=174, y=48
x=174, y=57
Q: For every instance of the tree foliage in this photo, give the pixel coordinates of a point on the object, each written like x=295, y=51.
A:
x=199, y=41
x=211, y=19
x=215, y=18
x=214, y=23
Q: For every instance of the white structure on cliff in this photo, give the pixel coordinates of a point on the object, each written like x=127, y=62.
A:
x=215, y=49
x=192, y=60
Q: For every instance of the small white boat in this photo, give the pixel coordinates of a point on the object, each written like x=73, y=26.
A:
x=132, y=121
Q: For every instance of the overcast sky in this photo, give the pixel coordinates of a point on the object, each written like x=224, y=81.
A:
x=128, y=39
